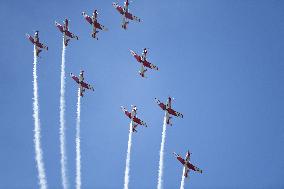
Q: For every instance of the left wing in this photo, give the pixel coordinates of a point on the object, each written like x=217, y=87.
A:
x=132, y=17
x=138, y=121
x=87, y=86
x=175, y=113
x=99, y=26
x=69, y=34
x=150, y=65
x=194, y=168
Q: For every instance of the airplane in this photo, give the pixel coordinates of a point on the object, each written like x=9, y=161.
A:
x=132, y=115
x=35, y=40
x=187, y=164
x=80, y=80
x=143, y=61
x=93, y=21
x=124, y=11
x=168, y=109
x=65, y=30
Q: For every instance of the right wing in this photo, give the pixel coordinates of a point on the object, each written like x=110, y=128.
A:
x=88, y=18
x=136, y=56
x=127, y=113
x=162, y=105
x=59, y=27
x=118, y=8
x=74, y=77
x=30, y=38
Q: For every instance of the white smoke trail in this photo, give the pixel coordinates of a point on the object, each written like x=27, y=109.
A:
x=161, y=162
x=182, y=179
x=63, y=159
x=37, y=144
x=127, y=166
x=78, y=150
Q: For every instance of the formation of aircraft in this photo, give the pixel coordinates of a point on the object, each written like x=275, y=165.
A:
x=169, y=111
x=35, y=40
x=143, y=61
x=80, y=81
x=95, y=24
x=132, y=115
x=126, y=15
x=187, y=164
x=65, y=31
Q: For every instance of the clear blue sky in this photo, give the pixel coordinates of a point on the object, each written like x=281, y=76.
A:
x=222, y=60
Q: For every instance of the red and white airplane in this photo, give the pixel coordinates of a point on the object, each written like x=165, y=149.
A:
x=35, y=40
x=94, y=22
x=168, y=109
x=65, y=30
x=143, y=61
x=82, y=85
x=132, y=115
x=187, y=164
x=124, y=11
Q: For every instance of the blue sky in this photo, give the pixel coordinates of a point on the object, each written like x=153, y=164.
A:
x=221, y=60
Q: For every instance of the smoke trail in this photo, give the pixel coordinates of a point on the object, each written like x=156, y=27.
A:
x=182, y=179
x=127, y=166
x=37, y=144
x=63, y=159
x=78, y=150
x=161, y=162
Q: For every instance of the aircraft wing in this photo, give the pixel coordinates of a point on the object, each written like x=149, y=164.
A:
x=138, y=121
x=88, y=18
x=162, y=105
x=136, y=56
x=87, y=86
x=99, y=26
x=127, y=113
x=30, y=38
x=150, y=65
x=70, y=34
x=74, y=77
x=60, y=27
x=175, y=113
x=118, y=8
x=132, y=17
x=194, y=168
